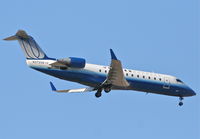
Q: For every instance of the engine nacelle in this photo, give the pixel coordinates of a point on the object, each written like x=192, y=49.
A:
x=73, y=62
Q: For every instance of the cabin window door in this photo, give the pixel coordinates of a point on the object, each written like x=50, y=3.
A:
x=166, y=83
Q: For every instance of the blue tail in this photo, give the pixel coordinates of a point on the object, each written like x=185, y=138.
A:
x=29, y=46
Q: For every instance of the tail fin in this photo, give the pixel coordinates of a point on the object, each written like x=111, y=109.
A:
x=29, y=46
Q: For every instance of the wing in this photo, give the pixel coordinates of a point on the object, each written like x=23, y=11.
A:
x=81, y=90
x=116, y=76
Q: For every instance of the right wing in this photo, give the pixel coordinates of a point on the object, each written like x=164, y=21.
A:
x=116, y=75
x=81, y=90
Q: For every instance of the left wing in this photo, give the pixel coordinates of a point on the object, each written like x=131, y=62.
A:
x=81, y=90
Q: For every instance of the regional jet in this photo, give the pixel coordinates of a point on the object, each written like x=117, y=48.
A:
x=98, y=77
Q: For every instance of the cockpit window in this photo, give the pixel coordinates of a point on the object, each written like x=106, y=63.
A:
x=178, y=80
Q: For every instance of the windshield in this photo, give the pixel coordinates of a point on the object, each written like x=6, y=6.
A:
x=178, y=80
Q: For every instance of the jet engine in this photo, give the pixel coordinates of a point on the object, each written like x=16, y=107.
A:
x=73, y=62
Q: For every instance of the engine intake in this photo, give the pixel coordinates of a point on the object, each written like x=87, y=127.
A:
x=73, y=62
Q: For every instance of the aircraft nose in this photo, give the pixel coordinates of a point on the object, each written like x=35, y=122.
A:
x=192, y=93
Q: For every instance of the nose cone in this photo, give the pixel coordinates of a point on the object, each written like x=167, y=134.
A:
x=188, y=91
x=191, y=92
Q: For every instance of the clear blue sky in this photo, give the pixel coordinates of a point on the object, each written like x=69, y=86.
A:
x=149, y=35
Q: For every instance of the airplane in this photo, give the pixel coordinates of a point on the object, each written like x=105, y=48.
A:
x=99, y=77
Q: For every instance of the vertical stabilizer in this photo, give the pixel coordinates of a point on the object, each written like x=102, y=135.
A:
x=29, y=46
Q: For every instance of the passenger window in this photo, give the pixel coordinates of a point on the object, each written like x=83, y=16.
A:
x=138, y=76
x=160, y=79
x=129, y=70
x=154, y=78
x=105, y=71
x=99, y=70
x=132, y=75
x=149, y=77
x=126, y=74
x=143, y=76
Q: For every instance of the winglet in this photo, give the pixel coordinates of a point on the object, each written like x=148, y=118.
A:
x=52, y=87
x=113, y=55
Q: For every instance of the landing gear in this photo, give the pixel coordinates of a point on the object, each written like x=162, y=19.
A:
x=180, y=103
x=107, y=89
x=98, y=93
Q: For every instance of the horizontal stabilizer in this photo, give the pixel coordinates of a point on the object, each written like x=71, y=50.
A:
x=11, y=38
x=81, y=90
x=19, y=34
